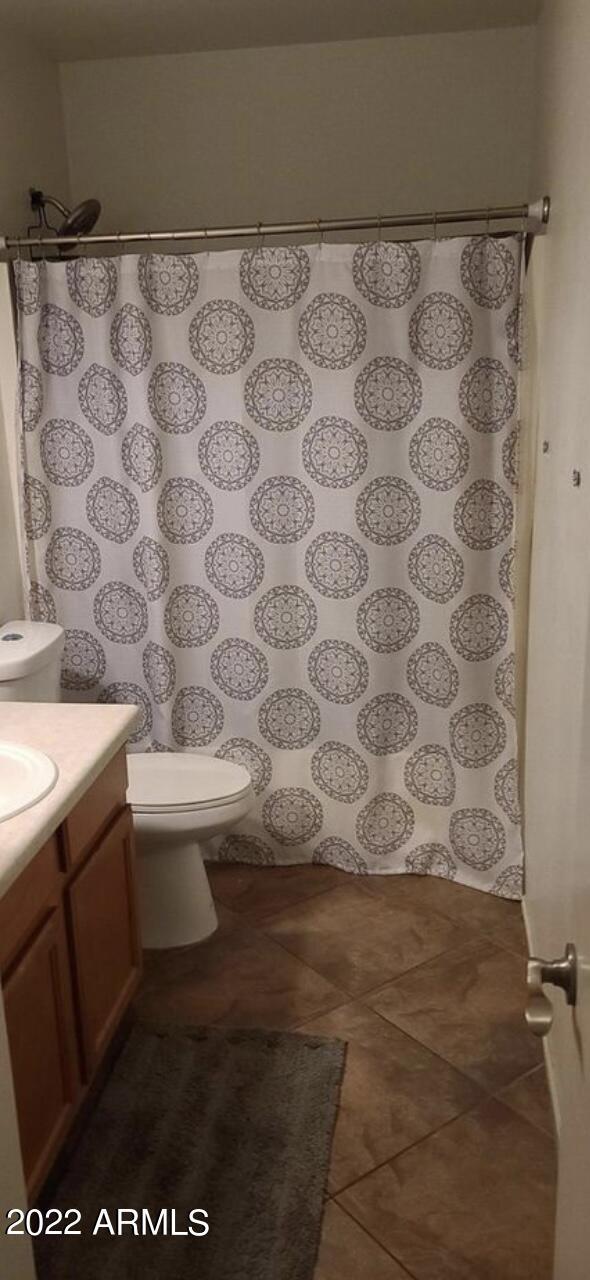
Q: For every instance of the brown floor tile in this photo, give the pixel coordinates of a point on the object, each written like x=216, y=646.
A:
x=257, y=891
x=359, y=941
x=510, y=934
x=479, y=912
x=237, y=977
x=393, y=1093
x=348, y=1253
x=474, y=1201
x=467, y=1006
x=530, y=1097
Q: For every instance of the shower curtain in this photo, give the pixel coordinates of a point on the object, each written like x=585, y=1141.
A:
x=269, y=495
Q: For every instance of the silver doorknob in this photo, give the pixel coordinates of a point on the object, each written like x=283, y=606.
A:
x=560, y=973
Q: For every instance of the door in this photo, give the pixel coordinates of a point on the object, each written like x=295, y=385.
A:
x=107, y=955
x=43, y=1047
x=557, y=739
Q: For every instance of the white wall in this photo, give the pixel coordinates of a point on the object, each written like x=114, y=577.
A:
x=11, y=549
x=32, y=153
x=16, y=1256
x=304, y=131
x=556, y=410
x=557, y=796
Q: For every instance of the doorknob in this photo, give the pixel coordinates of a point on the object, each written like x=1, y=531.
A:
x=560, y=973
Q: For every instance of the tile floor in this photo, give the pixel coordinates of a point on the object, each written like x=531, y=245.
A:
x=443, y=1161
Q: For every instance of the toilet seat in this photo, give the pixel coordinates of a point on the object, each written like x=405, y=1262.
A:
x=170, y=782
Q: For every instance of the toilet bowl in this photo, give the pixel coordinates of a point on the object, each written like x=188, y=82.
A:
x=179, y=801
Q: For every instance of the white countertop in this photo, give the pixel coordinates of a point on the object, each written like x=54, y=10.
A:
x=81, y=738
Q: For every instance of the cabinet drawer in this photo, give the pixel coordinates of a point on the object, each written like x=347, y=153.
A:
x=28, y=901
x=96, y=809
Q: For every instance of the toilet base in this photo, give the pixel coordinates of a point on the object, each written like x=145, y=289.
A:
x=176, y=908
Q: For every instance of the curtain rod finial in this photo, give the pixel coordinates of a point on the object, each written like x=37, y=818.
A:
x=538, y=213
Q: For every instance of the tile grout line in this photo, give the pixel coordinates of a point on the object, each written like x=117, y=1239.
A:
x=410, y=1146
x=256, y=929
x=350, y=1209
x=350, y=998
x=473, y=931
x=486, y=1097
x=459, y=921
x=486, y=1094
x=367, y=1232
x=462, y=1071
x=472, y=936
x=316, y=893
x=361, y=995
x=549, y=1133
x=437, y=1054
x=374, y=991
x=408, y=1035
x=418, y=1142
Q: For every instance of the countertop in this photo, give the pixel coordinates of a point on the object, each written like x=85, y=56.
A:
x=81, y=738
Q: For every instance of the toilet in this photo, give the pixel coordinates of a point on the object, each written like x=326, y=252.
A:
x=30, y=661
x=178, y=801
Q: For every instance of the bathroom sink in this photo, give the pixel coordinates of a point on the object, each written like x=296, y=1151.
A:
x=26, y=775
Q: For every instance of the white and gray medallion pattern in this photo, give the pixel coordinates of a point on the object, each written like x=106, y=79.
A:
x=270, y=495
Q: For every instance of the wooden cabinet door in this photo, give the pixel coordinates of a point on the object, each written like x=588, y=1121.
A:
x=43, y=1046
x=107, y=954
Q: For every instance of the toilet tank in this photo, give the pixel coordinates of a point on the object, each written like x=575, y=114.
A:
x=30, y=659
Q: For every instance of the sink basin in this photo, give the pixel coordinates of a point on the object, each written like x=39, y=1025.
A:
x=26, y=776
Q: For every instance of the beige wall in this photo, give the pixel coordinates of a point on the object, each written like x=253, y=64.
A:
x=277, y=133
x=32, y=150
x=32, y=153
x=305, y=131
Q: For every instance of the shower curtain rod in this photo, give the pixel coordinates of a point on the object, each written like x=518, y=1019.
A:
x=533, y=217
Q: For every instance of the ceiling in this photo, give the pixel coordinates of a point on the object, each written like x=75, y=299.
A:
x=72, y=29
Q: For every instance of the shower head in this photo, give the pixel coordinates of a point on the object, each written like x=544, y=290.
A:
x=74, y=222
x=81, y=219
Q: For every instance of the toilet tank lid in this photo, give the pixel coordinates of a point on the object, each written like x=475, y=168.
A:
x=26, y=647
x=168, y=780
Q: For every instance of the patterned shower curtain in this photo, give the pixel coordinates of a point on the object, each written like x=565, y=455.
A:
x=269, y=495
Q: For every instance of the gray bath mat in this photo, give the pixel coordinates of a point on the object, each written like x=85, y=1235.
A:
x=237, y=1123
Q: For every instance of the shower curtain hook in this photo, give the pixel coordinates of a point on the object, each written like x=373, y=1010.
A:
x=488, y=221
x=434, y=222
x=320, y=231
x=379, y=228
x=260, y=244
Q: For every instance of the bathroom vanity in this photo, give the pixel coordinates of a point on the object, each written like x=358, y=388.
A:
x=70, y=956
